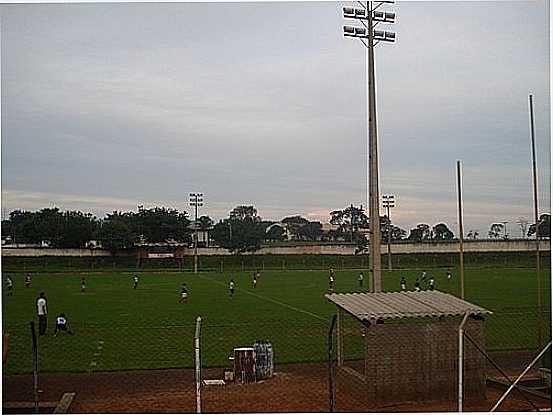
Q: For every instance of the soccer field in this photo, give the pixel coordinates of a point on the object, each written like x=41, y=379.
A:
x=117, y=327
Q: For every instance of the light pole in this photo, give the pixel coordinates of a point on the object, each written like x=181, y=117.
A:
x=388, y=202
x=370, y=17
x=536, y=219
x=196, y=200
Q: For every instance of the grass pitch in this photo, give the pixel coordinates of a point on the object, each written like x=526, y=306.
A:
x=117, y=327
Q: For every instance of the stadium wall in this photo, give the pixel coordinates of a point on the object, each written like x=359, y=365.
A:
x=397, y=248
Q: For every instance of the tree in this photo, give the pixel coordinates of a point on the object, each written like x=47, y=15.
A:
x=311, y=231
x=421, y=233
x=159, y=224
x=242, y=212
x=294, y=224
x=441, y=232
x=349, y=220
x=78, y=229
x=115, y=233
x=386, y=226
x=275, y=232
x=242, y=231
x=496, y=229
x=544, y=227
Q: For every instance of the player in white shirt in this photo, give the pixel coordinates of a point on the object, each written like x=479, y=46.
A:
x=231, y=288
x=42, y=312
x=9, y=286
x=360, y=279
x=135, y=280
x=431, y=284
x=83, y=284
x=62, y=325
x=183, y=294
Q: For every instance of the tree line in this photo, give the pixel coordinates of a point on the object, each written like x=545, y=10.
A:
x=242, y=231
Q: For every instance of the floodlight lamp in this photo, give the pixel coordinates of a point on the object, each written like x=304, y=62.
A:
x=350, y=30
x=389, y=17
x=360, y=12
x=378, y=34
x=348, y=11
x=360, y=31
x=379, y=16
x=390, y=37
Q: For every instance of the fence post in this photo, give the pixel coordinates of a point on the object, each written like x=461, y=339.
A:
x=198, y=364
x=35, y=366
x=460, y=364
x=331, y=387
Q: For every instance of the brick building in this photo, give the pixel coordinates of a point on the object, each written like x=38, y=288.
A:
x=410, y=347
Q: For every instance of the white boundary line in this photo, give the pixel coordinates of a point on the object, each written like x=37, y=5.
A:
x=299, y=310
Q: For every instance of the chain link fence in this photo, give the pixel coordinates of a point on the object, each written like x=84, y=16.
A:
x=151, y=368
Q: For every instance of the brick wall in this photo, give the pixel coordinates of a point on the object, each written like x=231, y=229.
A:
x=418, y=362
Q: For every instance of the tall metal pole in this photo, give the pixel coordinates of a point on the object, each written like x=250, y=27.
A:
x=196, y=235
x=535, y=179
x=460, y=205
x=389, y=236
x=374, y=200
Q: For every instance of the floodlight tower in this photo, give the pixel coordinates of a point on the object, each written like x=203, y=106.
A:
x=196, y=200
x=370, y=17
x=388, y=202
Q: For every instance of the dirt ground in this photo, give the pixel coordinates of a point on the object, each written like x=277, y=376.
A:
x=294, y=388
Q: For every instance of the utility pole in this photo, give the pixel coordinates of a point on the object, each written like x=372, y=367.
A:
x=536, y=220
x=370, y=17
x=460, y=207
x=388, y=202
x=196, y=200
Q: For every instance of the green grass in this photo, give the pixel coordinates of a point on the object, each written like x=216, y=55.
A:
x=117, y=327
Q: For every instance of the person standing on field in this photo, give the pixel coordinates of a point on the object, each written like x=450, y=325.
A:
x=28, y=280
x=41, y=313
x=417, y=285
x=83, y=284
x=360, y=279
x=448, y=275
x=183, y=294
x=9, y=286
x=231, y=288
x=135, y=280
x=403, y=284
x=431, y=284
x=254, y=281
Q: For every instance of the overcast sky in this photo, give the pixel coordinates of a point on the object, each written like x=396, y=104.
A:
x=108, y=106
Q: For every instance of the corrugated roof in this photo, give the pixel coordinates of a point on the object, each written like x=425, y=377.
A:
x=409, y=304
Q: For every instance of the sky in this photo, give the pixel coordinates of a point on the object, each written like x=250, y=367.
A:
x=108, y=106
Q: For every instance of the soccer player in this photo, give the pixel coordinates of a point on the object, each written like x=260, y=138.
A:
x=417, y=285
x=257, y=275
x=423, y=276
x=9, y=286
x=431, y=284
x=83, y=284
x=331, y=282
x=41, y=313
x=183, y=294
x=254, y=281
x=61, y=325
x=231, y=288
x=135, y=280
x=403, y=284
x=27, y=280
x=448, y=275
x=360, y=279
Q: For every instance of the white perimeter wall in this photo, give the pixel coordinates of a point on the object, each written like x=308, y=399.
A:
x=401, y=248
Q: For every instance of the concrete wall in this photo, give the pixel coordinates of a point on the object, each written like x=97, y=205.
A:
x=399, y=248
